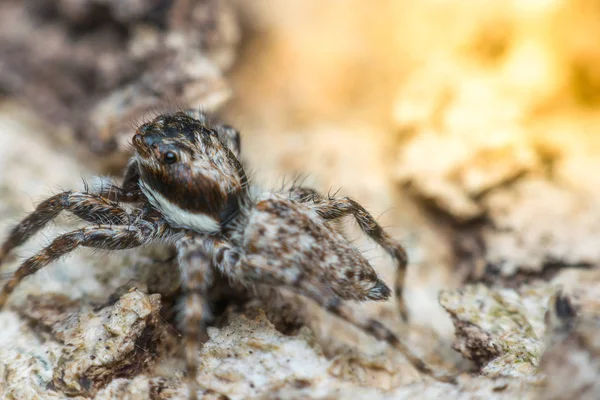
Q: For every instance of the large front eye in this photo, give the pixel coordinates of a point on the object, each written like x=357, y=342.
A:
x=170, y=157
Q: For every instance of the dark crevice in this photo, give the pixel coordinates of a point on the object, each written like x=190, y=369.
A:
x=465, y=237
x=468, y=244
x=549, y=270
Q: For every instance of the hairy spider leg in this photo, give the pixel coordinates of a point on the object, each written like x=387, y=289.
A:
x=334, y=208
x=227, y=134
x=100, y=205
x=195, y=263
x=100, y=237
x=129, y=192
x=89, y=207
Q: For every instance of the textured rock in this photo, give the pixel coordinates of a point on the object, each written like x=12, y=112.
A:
x=464, y=167
x=501, y=330
x=78, y=350
x=120, y=348
x=93, y=66
x=490, y=148
x=571, y=361
x=537, y=223
x=542, y=335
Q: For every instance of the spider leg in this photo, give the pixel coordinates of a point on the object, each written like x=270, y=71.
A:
x=231, y=137
x=89, y=207
x=99, y=237
x=195, y=263
x=129, y=192
x=372, y=327
x=227, y=134
x=238, y=266
x=334, y=208
x=304, y=194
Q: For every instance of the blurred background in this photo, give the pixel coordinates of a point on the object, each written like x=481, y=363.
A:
x=469, y=128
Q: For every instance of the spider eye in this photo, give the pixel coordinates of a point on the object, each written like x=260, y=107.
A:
x=170, y=157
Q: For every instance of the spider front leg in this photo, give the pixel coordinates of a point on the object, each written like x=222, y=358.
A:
x=89, y=207
x=129, y=192
x=100, y=237
x=195, y=262
x=227, y=134
x=100, y=206
x=333, y=208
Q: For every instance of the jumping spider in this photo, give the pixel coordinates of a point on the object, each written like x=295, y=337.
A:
x=187, y=187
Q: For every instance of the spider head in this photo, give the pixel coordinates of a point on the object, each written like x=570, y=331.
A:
x=188, y=173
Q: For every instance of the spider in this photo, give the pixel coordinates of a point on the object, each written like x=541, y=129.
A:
x=185, y=185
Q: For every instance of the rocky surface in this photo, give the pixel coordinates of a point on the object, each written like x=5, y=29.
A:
x=500, y=330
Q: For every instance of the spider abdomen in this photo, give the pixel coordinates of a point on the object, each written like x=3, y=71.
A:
x=290, y=238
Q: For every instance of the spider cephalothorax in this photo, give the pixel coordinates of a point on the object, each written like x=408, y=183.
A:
x=185, y=185
x=188, y=173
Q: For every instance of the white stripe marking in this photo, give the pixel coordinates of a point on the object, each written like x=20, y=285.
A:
x=178, y=217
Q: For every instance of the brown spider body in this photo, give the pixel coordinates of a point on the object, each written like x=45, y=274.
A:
x=189, y=188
